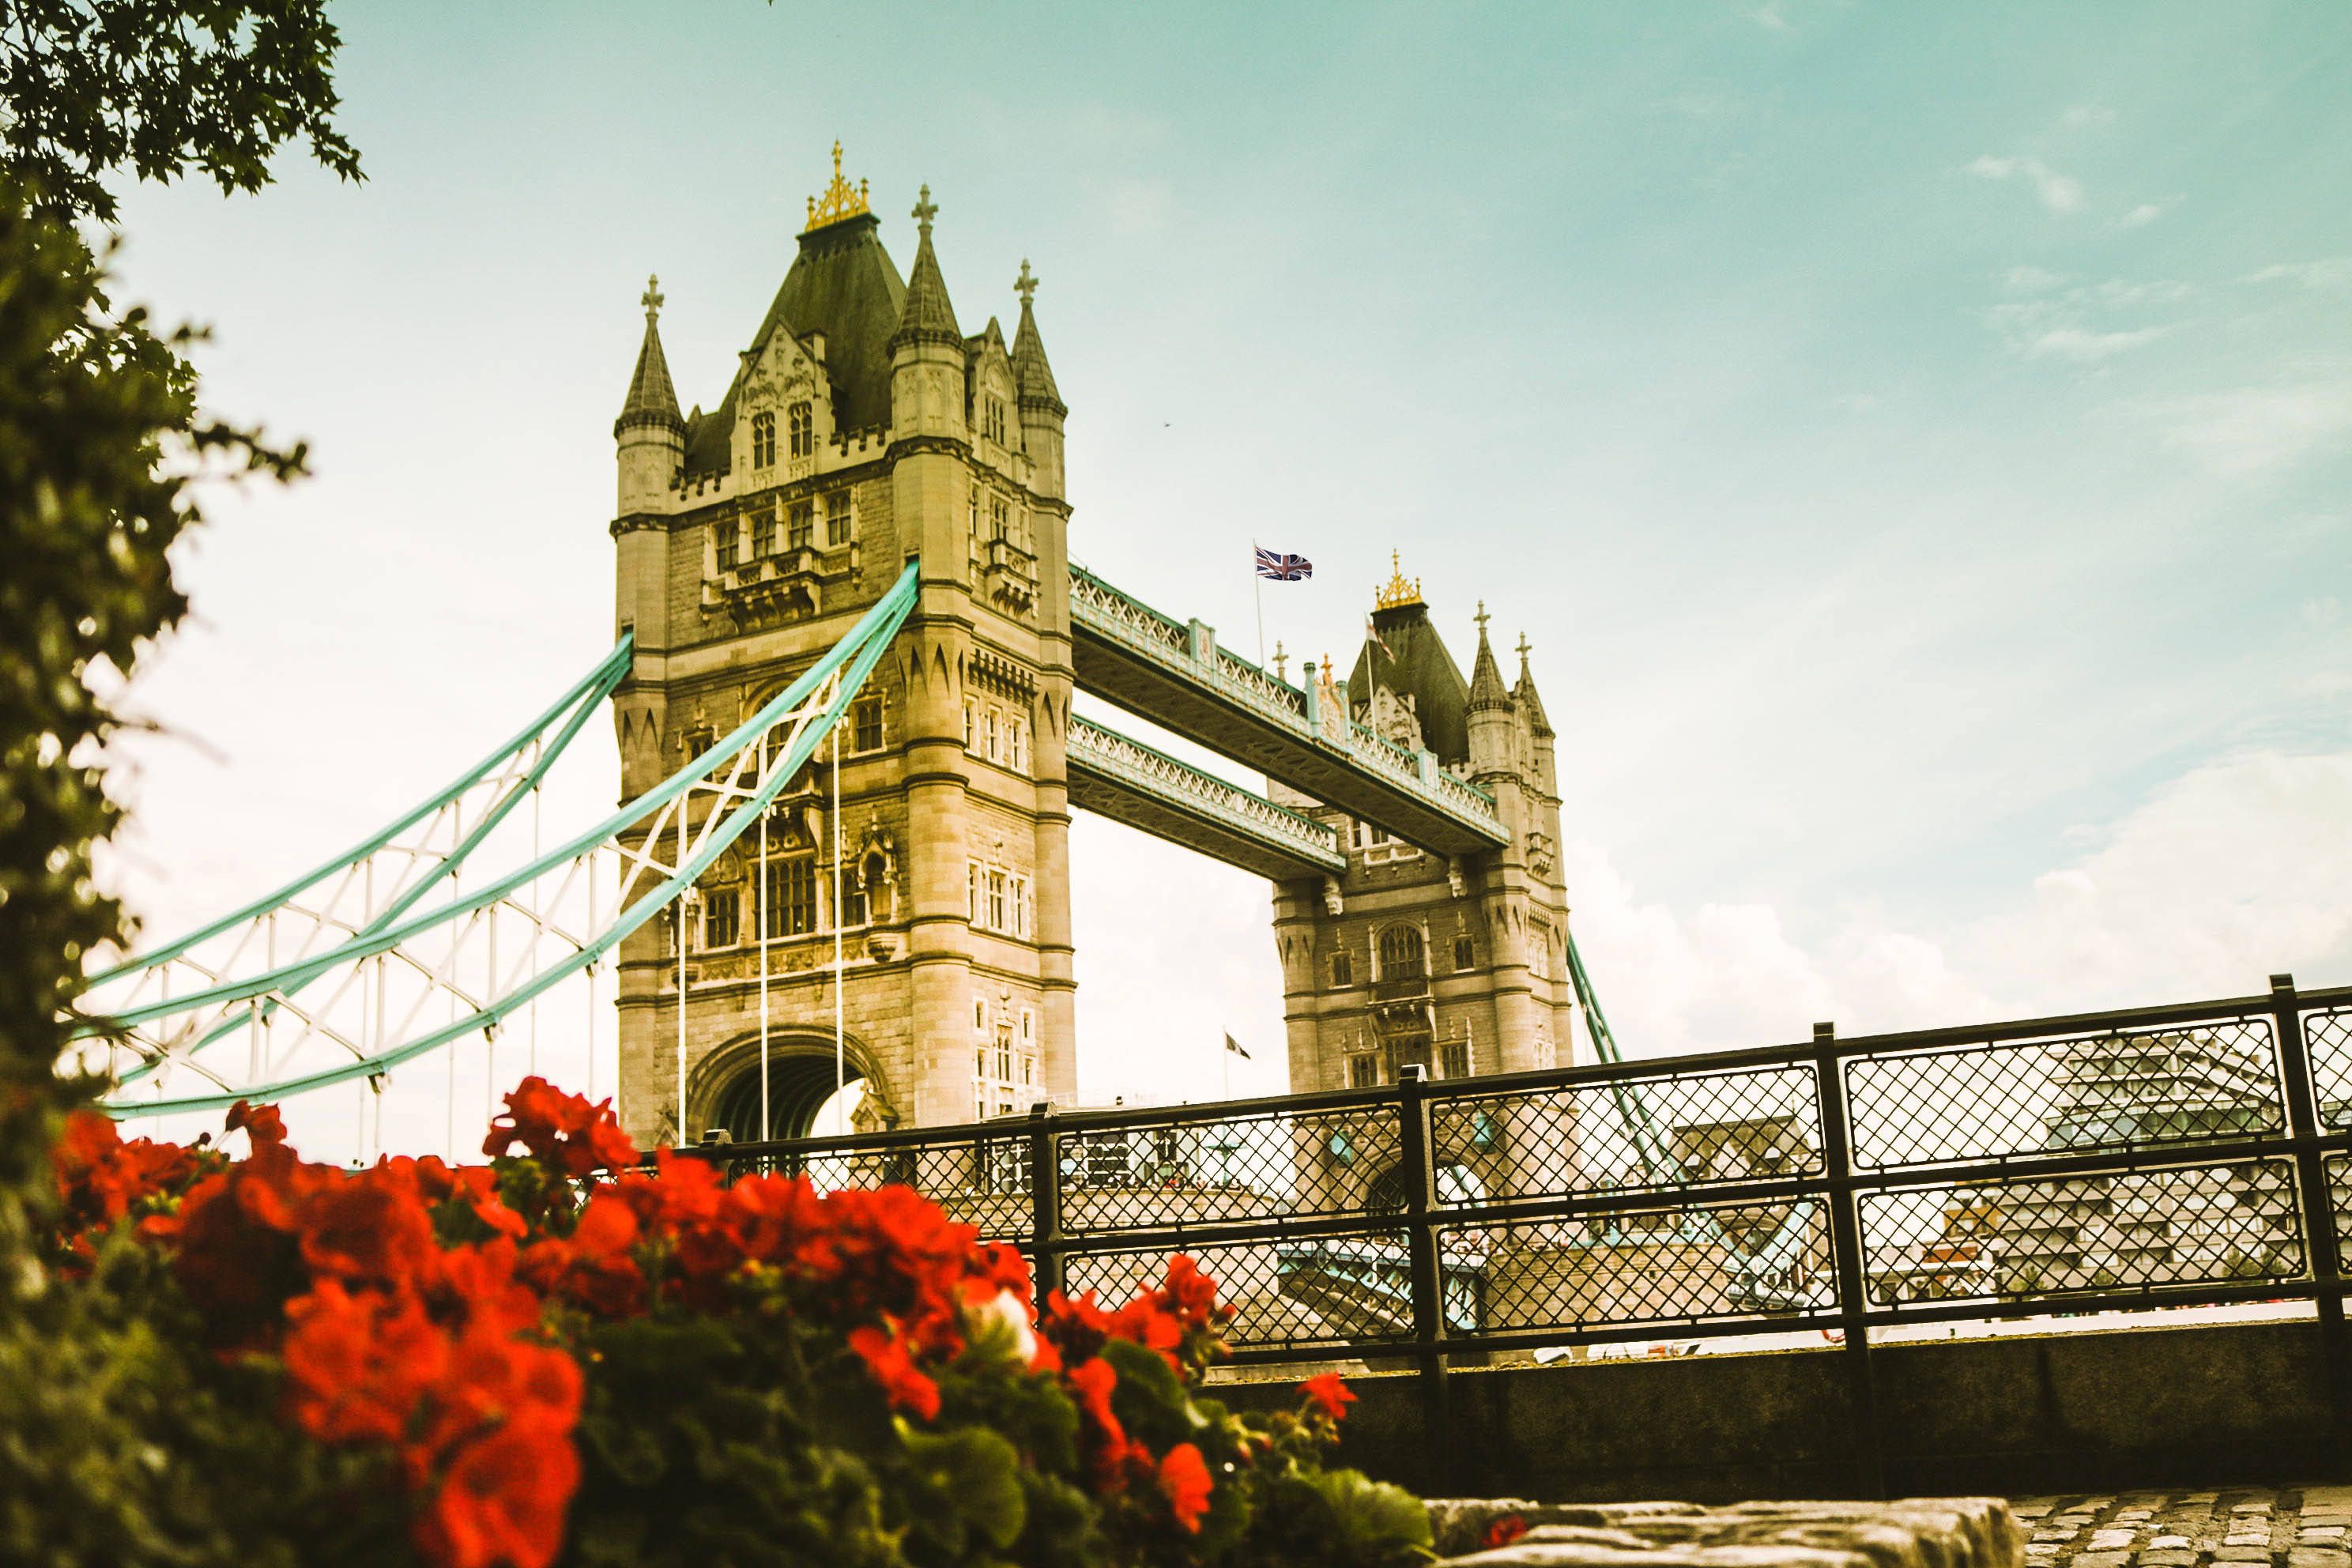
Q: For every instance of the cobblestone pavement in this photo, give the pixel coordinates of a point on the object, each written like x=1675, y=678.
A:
x=2286, y=1527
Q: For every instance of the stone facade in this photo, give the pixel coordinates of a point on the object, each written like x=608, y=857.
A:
x=863, y=429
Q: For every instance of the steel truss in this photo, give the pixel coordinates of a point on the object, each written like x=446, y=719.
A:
x=341, y=976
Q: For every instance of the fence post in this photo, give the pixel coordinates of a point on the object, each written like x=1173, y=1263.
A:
x=1846, y=1251
x=1421, y=1250
x=2325, y=1248
x=1044, y=1203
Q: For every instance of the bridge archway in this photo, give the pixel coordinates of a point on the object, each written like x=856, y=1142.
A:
x=725, y=1087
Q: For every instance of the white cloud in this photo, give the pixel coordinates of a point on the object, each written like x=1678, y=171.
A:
x=2031, y=279
x=1769, y=17
x=2086, y=347
x=2329, y=272
x=2117, y=294
x=2232, y=872
x=2258, y=429
x=2145, y=214
x=2083, y=116
x=2059, y=193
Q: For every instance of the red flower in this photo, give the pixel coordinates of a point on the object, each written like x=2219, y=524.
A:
x=886, y=1358
x=358, y=1367
x=1184, y=1482
x=1329, y=1394
x=593, y=1268
x=562, y=1131
x=262, y=1124
x=1190, y=1294
x=503, y=1499
x=100, y=1178
x=1505, y=1531
x=371, y=1228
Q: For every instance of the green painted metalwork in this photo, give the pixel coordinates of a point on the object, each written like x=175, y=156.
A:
x=588, y=692
x=583, y=700
x=853, y=657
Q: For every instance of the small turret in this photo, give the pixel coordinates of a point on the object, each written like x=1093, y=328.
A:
x=1041, y=409
x=1539, y=730
x=926, y=349
x=649, y=432
x=1492, y=716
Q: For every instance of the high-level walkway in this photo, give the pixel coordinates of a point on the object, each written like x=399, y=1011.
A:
x=1127, y=781
x=1150, y=662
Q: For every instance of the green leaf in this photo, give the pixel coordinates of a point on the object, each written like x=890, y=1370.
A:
x=966, y=1481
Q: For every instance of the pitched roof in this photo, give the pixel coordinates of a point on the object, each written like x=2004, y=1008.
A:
x=652, y=399
x=1487, y=677
x=844, y=284
x=926, y=317
x=1523, y=694
x=1416, y=665
x=1031, y=375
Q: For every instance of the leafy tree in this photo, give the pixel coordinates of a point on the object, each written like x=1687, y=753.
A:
x=162, y=86
x=100, y=445
x=99, y=442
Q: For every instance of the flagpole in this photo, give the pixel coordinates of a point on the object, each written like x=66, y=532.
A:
x=1257, y=586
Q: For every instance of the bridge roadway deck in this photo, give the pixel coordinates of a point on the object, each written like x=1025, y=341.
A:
x=1128, y=781
x=1174, y=671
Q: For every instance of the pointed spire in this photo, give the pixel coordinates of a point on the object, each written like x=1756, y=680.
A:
x=1031, y=375
x=1487, y=693
x=652, y=399
x=1524, y=693
x=927, y=317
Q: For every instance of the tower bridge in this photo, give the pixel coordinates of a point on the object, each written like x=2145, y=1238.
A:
x=1410, y=817
x=849, y=634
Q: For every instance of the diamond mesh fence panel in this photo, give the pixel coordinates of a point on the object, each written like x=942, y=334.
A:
x=2339, y=1192
x=2328, y=1036
x=1285, y=1292
x=2194, y=1084
x=2206, y=1225
x=981, y=1181
x=1198, y=1170
x=1687, y=1264
x=1669, y=1130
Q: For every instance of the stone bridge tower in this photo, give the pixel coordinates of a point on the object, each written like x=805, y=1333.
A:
x=862, y=429
x=1458, y=966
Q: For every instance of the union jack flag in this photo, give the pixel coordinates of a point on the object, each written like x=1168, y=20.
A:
x=1281, y=568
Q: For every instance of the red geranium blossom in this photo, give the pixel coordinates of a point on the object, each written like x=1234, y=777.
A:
x=503, y=1499
x=1328, y=1393
x=1184, y=1482
x=562, y=1131
x=1505, y=1531
x=884, y=1355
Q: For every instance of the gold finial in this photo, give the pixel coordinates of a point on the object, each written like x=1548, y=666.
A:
x=1399, y=593
x=651, y=299
x=840, y=203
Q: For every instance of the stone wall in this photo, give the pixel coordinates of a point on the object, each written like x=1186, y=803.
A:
x=2013, y=1414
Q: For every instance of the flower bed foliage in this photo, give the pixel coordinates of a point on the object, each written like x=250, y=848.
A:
x=528, y=1362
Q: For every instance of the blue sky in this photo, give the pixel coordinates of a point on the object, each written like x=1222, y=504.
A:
x=1915, y=441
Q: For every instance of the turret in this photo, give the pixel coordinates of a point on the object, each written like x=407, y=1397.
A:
x=1538, y=726
x=1041, y=409
x=1493, y=716
x=649, y=432
x=927, y=351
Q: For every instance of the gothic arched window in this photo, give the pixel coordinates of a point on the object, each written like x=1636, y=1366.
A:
x=1401, y=957
x=804, y=431
x=763, y=440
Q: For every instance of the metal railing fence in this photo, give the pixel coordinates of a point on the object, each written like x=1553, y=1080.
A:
x=2185, y=1156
